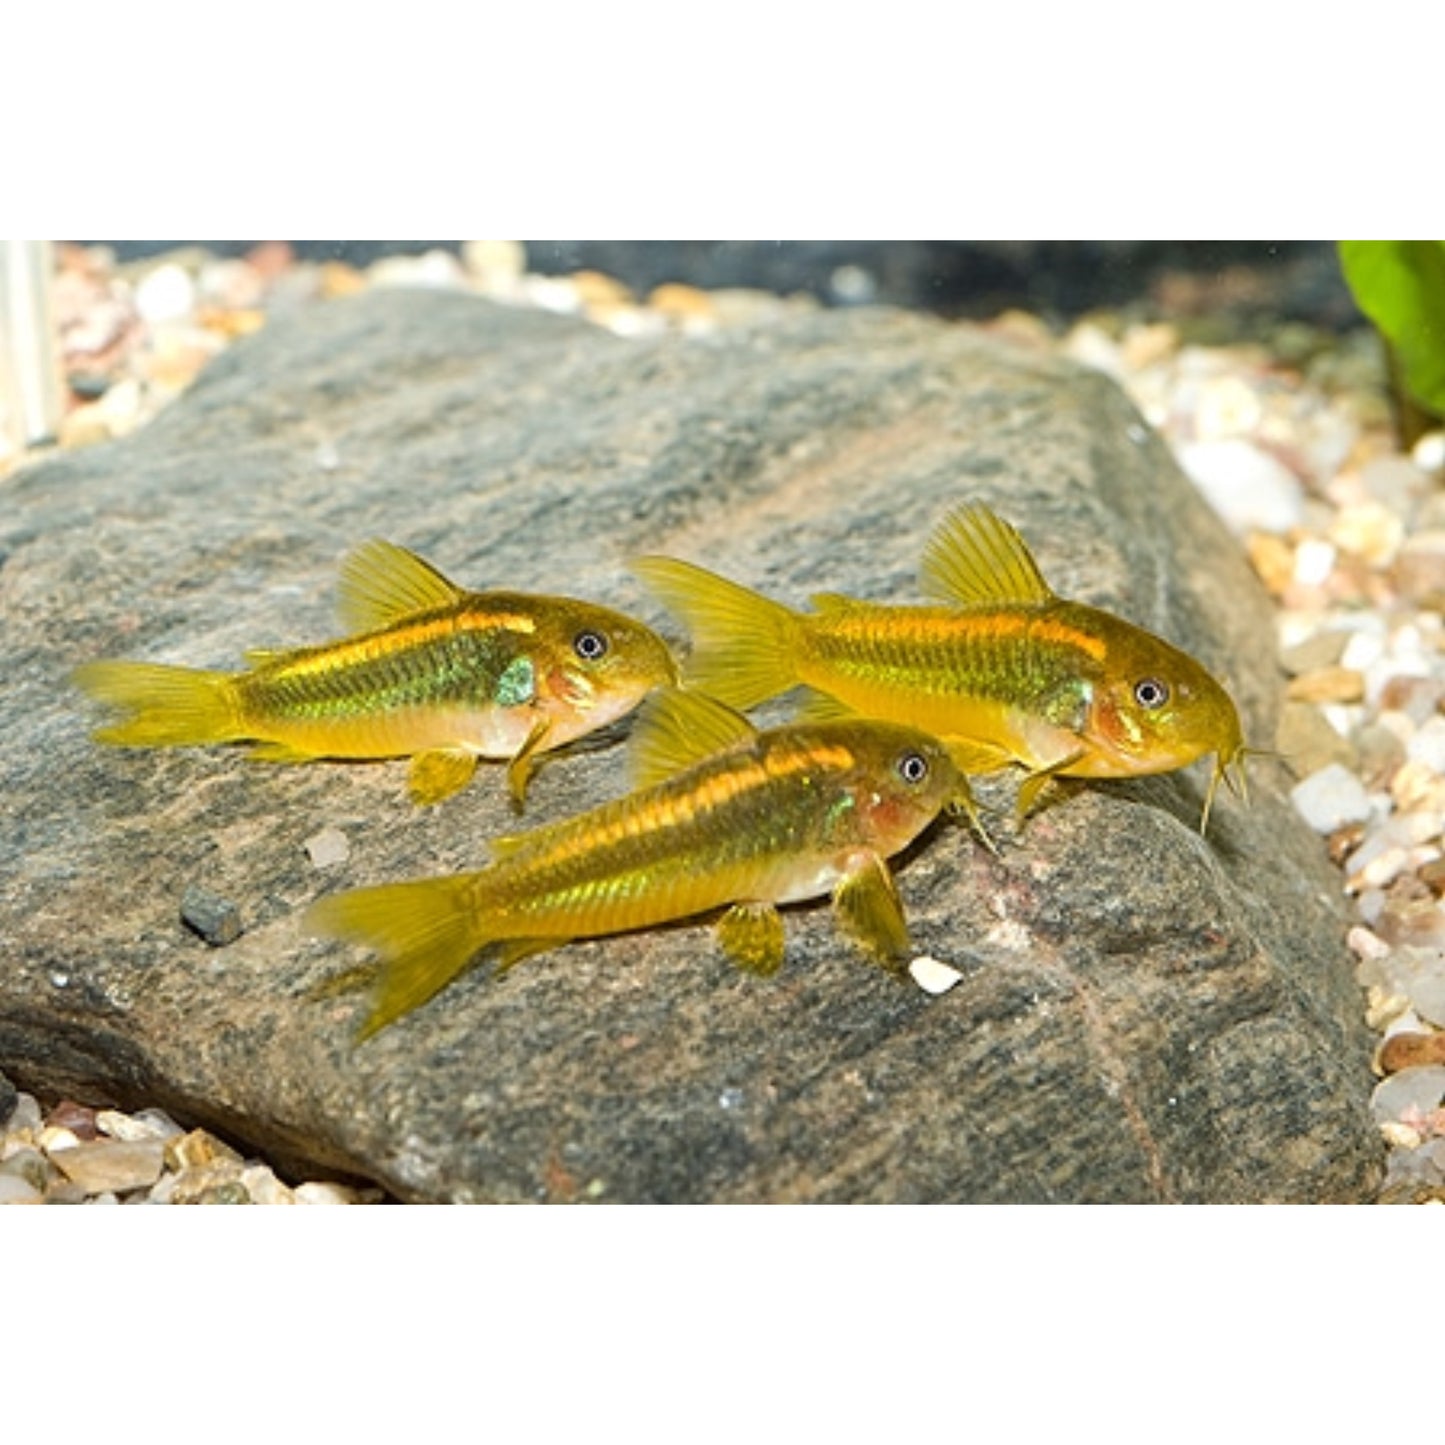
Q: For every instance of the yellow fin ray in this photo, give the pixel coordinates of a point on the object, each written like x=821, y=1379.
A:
x=867, y=905
x=167, y=706
x=743, y=643
x=976, y=559
x=381, y=583
x=525, y=762
x=438, y=773
x=677, y=727
x=426, y=932
x=751, y=934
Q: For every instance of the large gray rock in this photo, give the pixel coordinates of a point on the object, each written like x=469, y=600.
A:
x=1144, y=1014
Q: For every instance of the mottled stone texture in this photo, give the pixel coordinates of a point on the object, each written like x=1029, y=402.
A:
x=1144, y=1015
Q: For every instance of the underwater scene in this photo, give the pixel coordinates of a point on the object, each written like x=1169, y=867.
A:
x=722, y=722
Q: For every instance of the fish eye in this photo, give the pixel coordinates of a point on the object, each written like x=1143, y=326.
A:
x=1151, y=693
x=589, y=645
x=912, y=767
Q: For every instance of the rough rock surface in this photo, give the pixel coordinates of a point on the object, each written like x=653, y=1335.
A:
x=1143, y=1015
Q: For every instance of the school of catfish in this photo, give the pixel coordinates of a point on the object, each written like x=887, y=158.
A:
x=902, y=704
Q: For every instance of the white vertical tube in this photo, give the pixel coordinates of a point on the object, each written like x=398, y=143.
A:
x=30, y=382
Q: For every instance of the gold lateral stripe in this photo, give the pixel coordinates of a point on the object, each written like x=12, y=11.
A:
x=401, y=637
x=944, y=625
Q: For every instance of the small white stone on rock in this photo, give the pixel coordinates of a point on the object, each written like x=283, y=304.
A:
x=328, y=848
x=1330, y=798
x=932, y=975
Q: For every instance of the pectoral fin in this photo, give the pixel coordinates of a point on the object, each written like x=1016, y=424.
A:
x=1033, y=785
x=751, y=934
x=523, y=764
x=867, y=906
x=439, y=773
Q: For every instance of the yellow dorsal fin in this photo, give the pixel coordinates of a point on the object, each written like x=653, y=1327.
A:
x=835, y=602
x=975, y=559
x=676, y=728
x=382, y=583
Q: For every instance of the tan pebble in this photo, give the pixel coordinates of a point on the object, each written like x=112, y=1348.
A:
x=1402, y=1136
x=1328, y=684
x=336, y=278
x=1147, y=345
x=681, y=303
x=197, y=1150
x=1369, y=530
x=1409, y=1051
x=112, y=1164
x=264, y=1187
x=84, y=427
x=490, y=261
x=1419, y=569
x=596, y=288
x=1416, y=787
x=1365, y=944
x=1432, y=875
x=1382, y=1007
x=1273, y=560
x=229, y=323
x=195, y=1185
x=1315, y=652
x=1308, y=742
x=148, y=1124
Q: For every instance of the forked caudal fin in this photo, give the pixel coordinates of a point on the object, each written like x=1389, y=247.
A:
x=427, y=932
x=166, y=706
x=424, y=932
x=744, y=644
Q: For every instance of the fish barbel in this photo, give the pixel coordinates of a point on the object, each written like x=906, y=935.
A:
x=722, y=816
x=1001, y=667
x=434, y=673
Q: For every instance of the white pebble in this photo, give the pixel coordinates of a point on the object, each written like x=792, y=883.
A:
x=1314, y=560
x=328, y=1193
x=1330, y=798
x=15, y=1190
x=328, y=848
x=932, y=975
x=1429, y=452
x=1408, y=1092
x=1428, y=745
x=166, y=294
x=1364, y=944
x=1249, y=489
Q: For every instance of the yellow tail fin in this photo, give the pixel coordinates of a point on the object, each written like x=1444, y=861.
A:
x=167, y=706
x=426, y=932
x=744, y=645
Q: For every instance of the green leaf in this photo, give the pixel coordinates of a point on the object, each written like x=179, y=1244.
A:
x=1400, y=286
